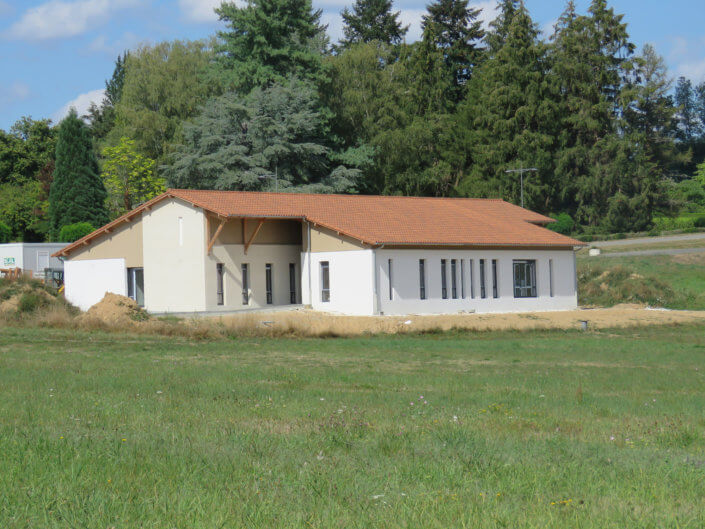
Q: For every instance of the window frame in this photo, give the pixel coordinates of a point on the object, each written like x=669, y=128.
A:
x=220, y=284
x=245, y=271
x=325, y=281
x=471, y=265
x=389, y=277
x=495, y=280
x=444, y=279
x=268, y=283
x=483, y=285
x=422, y=279
x=530, y=291
x=454, y=278
x=293, y=294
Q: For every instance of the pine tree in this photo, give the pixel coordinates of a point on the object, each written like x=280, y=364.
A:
x=371, y=20
x=508, y=118
x=77, y=193
x=499, y=27
x=687, y=103
x=101, y=119
x=452, y=28
x=268, y=41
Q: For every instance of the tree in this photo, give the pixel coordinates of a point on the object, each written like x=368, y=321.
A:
x=245, y=143
x=20, y=209
x=102, y=118
x=77, y=193
x=73, y=232
x=267, y=42
x=453, y=28
x=499, y=27
x=27, y=148
x=686, y=102
x=164, y=85
x=129, y=177
x=508, y=119
x=5, y=233
x=371, y=20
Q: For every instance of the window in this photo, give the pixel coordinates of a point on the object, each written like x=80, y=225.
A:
x=462, y=278
x=389, y=273
x=422, y=278
x=444, y=280
x=325, y=282
x=454, y=278
x=292, y=283
x=245, y=284
x=471, y=264
x=181, y=231
x=525, y=279
x=483, y=290
x=219, y=290
x=135, y=285
x=495, y=290
x=550, y=276
x=268, y=282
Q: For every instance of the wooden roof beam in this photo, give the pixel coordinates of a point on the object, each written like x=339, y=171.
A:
x=248, y=243
x=215, y=236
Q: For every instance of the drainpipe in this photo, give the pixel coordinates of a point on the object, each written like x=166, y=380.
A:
x=308, y=249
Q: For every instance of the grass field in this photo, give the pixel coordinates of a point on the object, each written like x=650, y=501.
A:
x=532, y=430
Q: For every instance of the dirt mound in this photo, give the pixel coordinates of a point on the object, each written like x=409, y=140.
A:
x=24, y=296
x=116, y=309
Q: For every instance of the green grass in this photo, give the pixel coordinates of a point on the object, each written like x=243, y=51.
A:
x=108, y=430
x=681, y=275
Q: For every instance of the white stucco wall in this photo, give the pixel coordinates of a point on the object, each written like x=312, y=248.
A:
x=405, y=281
x=174, y=258
x=88, y=281
x=351, y=281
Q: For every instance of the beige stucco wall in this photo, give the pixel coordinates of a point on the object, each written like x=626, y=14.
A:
x=325, y=240
x=174, y=263
x=124, y=242
x=232, y=256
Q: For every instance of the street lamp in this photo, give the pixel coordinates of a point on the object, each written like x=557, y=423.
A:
x=521, y=172
x=274, y=176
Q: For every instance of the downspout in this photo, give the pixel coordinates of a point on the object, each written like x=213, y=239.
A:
x=378, y=303
x=308, y=250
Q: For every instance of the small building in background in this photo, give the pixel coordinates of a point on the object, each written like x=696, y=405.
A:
x=34, y=257
x=189, y=251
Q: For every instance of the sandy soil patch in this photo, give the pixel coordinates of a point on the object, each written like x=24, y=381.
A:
x=316, y=323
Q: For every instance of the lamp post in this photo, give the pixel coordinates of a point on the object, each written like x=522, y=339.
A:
x=275, y=176
x=521, y=172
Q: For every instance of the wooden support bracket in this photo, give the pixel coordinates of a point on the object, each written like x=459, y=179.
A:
x=248, y=243
x=215, y=236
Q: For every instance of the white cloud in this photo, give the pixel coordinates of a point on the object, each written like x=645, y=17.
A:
x=200, y=10
x=686, y=56
x=58, y=19
x=13, y=93
x=81, y=104
x=412, y=18
x=488, y=13
x=548, y=28
x=5, y=8
x=693, y=70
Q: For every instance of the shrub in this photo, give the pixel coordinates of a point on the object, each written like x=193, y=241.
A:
x=671, y=224
x=73, y=232
x=699, y=222
x=564, y=224
x=29, y=302
x=607, y=287
x=5, y=233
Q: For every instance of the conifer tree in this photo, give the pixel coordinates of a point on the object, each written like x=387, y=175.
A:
x=77, y=192
x=268, y=41
x=499, y=27
x=508, y=118
x=372, y=20
x=452, y=28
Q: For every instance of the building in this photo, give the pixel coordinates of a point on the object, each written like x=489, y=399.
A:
x=31, y=256
x=212, y=251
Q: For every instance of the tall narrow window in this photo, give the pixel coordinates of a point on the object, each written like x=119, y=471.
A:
x=135, y=285
x=495, y=287
x=389, y=274
x=422, y=278
x=454, y=278
x=245, y=284
x=462, y=278
x=471, y=264
x=181, y=231
x=292, y=283
x=444, y=280
x=268, y=282
x=325, y=282
x=483, y=289
x=219, y=284
x=550, y=276
x=524, y=279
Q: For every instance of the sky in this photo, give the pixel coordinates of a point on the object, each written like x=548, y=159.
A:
x=56, y=54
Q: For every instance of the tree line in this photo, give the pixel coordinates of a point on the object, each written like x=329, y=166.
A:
x=269, y=102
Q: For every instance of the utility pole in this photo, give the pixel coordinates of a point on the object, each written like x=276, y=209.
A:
x=521, y=172
x=275, y=176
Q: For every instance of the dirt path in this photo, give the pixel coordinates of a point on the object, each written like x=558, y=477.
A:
x=649, y=240
x=318, y=323
x=659, y=251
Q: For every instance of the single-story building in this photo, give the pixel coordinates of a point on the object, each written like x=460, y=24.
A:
x=223, y=251
x=31, y=256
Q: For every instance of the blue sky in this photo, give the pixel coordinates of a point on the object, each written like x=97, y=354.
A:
x=56, y=54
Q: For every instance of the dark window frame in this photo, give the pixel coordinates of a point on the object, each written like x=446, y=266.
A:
x=471, y=265
x=483, y=286
x=524, y=277
x=389, y=276
x=422, y=278
x=495, y=280
x=325, y=281
x=454, y=278
x=268, y=283
x=292, y=284
x=245, y=270
x=220, y=284
x=444, y=280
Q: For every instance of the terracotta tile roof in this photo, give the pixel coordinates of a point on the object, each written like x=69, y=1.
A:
x=376, y=220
